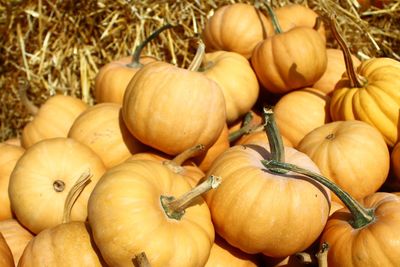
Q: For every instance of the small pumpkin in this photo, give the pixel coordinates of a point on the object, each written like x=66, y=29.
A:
x=42, y=178
x=296, y=58
x=9, y=155
x=102, y=128
x=366, y=155
x=53, y=119
x=172, y=109
x=6, y=258
x=237, y=28
x=111, y=80
x=299, y=112
x=16, y=236
x=134, y=202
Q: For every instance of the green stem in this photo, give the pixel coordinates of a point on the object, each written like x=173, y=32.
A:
x=274, y=19
x=361, y=215
x=274, y=137
x=138, y=50
x=245, y=129
x=174, y=208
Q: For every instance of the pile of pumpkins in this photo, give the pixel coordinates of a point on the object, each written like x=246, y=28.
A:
x=189, y=167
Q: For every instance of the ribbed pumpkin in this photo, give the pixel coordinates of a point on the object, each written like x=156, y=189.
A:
x=9, y=155
x=16, y=236
x=172, y=109
x=289, y=60
x=370, y=94
x=299, y=112
x=42, y=178
x=240, y=87
x=237, y=28
x=131, y=211
x=6, y=258
x=353, y=154
x=53, y=119
x=102, y=128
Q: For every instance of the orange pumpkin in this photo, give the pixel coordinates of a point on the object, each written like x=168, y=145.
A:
x=352, y=154
x=299, y=112
x=42, y=178
x=395, y=161
x=6, y=258
x=9, y=155
x=112, y=79
x=172, y=109
x=16, y=236
x=295, y=58
x=102, y=128
x=134, y=202
x=237, y=28
x=53, y=119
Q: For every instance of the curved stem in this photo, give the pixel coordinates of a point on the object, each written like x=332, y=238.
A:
x=246, y=128
x=322, y=255
x=355, y=82
x=361, y=215
x=138, y=50
x=32, y=108
x=176, y=163
x=74, y=193
x=274, y=19
x=274, y=137
x=198, y=58
x=175, y=208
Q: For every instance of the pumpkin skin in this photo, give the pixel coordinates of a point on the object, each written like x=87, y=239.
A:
x=67, y=244
x=53, y=119
x=42, y=178
x=252, y=204
x=375, y=244
x=102, y=128
x=240, y=87
x=125, y=213
x=9, y=155
x=16, y=236
x=395, y=161
x=237, y=28
x=376, y=102
x=299, y=112
x=222, y=254
x=295, y=59
x=172, y=109
x=335, y=68
x=366, y=155
x=112, y=79
x=6, y=258
x=13, y=141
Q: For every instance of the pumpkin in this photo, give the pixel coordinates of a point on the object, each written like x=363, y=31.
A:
x=172, y=109
x=252, y=203
x=43, y=177
x=237, y=28
x=353, y=154
x=67, y=244
x=395, y=161
x=53, y=119
x=370, y=94
x=240, y=87
x=296, y=58
x=16, y=236
x=6, y=258
x=9, y=155
x=111, y=80
x=133, y=210
x=334, y=70
x=102, y=128
x=222, y=254
x=299, y=112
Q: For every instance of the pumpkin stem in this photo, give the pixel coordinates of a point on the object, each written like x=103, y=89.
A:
x=32, y=108
x=175, y=207
x=140, y=260
x=74, y=193
x=361, y=215
x=138, y=50
x=274, y=19
x=304, y=258
x=247, y=127
x=198, y=57
x=355, y=81
x=176, y=163
x=322, y=255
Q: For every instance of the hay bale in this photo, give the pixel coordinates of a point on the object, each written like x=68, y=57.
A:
x=58, y=46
